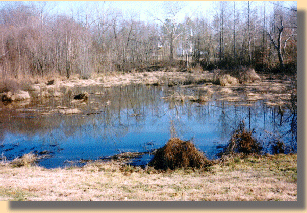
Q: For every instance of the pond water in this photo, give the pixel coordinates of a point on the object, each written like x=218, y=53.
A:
x=133, y=118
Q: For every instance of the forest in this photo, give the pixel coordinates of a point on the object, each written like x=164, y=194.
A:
x=144, y=101
x=35, y=42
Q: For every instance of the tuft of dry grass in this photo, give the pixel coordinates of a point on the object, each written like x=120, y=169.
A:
x=26, y=160
x=242, y=141
x=248, y=75
x=178, y=154
x=221, y=78
x=226, y=80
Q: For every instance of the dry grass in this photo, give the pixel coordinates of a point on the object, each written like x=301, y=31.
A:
x=26, y=160
x=221, y=78
x=252, y=87
x=226, y=80
x=242, y=141
x=242, y=75
x=13, y=84
x=248, y=75
x=178, y=154
x=252, y=178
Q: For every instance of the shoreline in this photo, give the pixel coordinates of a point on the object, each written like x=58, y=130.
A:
x=232, y=179
x=276, y=92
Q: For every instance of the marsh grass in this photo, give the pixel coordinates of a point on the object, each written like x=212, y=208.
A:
x=13, y=84
x=242, y=141
x=242, y=75
x=26, y=160
x=178, y=154
x=247, y=75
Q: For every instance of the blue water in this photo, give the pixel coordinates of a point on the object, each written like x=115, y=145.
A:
x=138, y=120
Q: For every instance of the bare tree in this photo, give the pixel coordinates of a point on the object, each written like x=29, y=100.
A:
x=170, y=26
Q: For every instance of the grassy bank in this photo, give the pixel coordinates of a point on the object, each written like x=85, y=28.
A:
x=265, y=178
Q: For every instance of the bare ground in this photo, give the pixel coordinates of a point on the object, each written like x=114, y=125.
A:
x=253, y=178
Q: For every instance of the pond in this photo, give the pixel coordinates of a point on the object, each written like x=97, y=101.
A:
x=134, y=118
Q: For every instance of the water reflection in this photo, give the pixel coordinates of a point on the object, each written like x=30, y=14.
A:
x=134, y=118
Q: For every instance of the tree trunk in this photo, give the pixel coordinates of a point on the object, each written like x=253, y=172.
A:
x=280, y=58
x=249, y=37
x=234, y=32
x=221, y=30
x=278, y=45
x=171, y=56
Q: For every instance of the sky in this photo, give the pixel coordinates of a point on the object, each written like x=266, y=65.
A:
x=150, y=10
x=143, y=10
x=147, y=11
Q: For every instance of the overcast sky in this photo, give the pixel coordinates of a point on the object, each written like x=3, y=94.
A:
x=144, y=10
x=148, y=10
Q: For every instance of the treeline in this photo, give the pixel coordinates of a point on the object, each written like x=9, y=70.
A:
x=34, y=42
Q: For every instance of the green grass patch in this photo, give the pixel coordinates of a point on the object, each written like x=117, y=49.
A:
x=15, y=194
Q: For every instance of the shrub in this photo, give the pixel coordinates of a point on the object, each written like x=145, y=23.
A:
x=13, y=84
x=220, y=77
x=248, y=75
x=242, y=141
x=178, y=154
x=278, y=147
x=26, y=160
x=226, y=80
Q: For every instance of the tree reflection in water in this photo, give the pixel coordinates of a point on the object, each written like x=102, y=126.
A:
x=127, y=118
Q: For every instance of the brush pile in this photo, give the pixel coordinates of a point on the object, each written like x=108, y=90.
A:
x=242, y=141
x=178, y=154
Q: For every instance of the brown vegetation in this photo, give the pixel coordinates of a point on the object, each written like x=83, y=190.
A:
x=242, y=141
x=16, y=96
x=248, y=75
x=254, y=178
x=26, y=160
x=235, y=76
x=81, y=96
x=178, y=154
x=37, y=43
x=278, y=147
